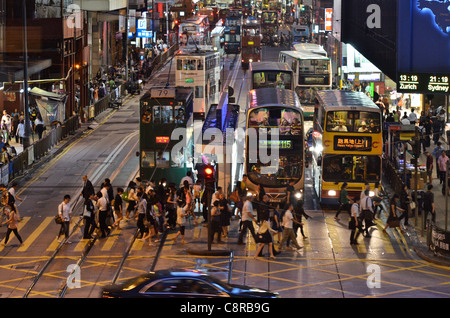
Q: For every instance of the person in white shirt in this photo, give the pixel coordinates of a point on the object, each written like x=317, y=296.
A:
x=366, y=214
x=102, y=205
x=188, y=178
x=181, y=222
x=247, y=220
x=64, y=212
x=412, y=117
x=367, y=187
x=355, y=221
x=288, y=228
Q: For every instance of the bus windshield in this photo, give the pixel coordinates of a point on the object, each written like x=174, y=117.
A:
x=289, y=162
x=353, y=122
x=276, y=79
x=351, y=168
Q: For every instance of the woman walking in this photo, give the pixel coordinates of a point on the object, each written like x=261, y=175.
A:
x=265, y=237
x=12, y=227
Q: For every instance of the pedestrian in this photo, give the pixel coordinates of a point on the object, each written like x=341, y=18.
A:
x=131, y=198
x=288, y=229
x=290, y=193
x=171, y=207
x=189, y=203
x=366, y=214
x=146, y=219
x=394, y=209
x=6, y=125
x=39, y=126
x=181, y=222
x=64, y=212
x=437, y=152
x=429, y=166
x=102, y=205
x=197, y=193
x=89, y=217
x=225, y=214
x=88, y=190
x=264, y=237
x=344, y=201
x=12, y=227
x=442, y=163
x=14, y=125
x=355, y=221
x=405, y=200
x=247, y=219
x=14, y=198
x=216, y=222
x=188, y=178
x=299, y=213
x=118, y=207
x=377, y=199
x=428, y=205
x=276, y=223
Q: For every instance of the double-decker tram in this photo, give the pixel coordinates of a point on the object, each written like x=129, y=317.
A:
x=274, y=149
x=269, y=26
x=201, y=71
x=312, y=73
x=300, y=33
x=271, y=74
x=311, y=48
x=232, y=35
x=251, y=42
x=347, y=144
x=163, y=152
x=194, y=31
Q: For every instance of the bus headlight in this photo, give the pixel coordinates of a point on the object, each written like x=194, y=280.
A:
x=298, y=195
x=371, y=193
x=250, y=60
x=331, y=193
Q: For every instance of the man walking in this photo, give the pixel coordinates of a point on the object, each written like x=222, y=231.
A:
x=247, y=219
x=428, y=205
x=64, y=212
x=429, y=165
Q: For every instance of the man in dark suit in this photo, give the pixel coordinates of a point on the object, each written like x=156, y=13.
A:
x=88, y=188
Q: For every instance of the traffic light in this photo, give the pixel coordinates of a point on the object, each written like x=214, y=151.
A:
x=210, y=178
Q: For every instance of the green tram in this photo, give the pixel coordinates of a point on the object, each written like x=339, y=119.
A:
x=166, y=133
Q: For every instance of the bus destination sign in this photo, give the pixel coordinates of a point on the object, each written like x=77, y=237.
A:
x=352, y=143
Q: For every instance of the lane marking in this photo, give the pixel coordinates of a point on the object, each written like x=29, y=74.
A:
x=30, y=239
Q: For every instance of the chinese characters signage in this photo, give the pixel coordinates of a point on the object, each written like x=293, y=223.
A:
x=352, y=143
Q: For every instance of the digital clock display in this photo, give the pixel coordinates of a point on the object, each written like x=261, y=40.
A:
x=423, y=83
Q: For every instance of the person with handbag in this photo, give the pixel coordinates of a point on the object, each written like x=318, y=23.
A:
x=354, y=223
x=366, y=213
x=89, y=217
x=64, y=212
x=405, y=200
x=394, y=206
x=264, y=236
x=102, y=204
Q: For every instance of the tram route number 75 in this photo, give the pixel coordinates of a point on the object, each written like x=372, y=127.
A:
x=163, y=92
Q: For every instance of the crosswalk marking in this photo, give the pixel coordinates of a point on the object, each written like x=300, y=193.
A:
x=384, y=237
x=30, y=239
x=111, y=240
x=334, y=236
x=54, y=244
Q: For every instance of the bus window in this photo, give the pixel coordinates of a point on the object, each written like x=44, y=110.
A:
x=354, y=122
x=349, y=168
x=162, y=114
x=147, y=159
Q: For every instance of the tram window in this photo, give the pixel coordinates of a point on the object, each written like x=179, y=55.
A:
x=179, y=114
x=147, y=158
x=189, y=65
x=162, y=114
x=198, y=91
x=179, y=65
x=162, y=159
x=199, y=65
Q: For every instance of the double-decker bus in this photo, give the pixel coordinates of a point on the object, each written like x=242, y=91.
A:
x=312, y=73
x=271, y=74
x=212, y=13
x=194, y=31
x=232, y=35
x=201, y=71
x=347, y=144
x=162, y=110
x=271, y=111
x=251, y=42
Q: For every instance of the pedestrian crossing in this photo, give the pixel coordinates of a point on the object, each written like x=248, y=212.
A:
x=319, y=230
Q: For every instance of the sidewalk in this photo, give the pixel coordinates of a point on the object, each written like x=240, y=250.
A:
x=418, y=237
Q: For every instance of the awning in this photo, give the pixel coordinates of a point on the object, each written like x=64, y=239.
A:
x=53, y=96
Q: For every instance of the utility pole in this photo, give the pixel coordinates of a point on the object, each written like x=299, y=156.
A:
x=26, y=139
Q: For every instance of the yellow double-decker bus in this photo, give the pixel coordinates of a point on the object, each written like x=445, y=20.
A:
x=347, y=144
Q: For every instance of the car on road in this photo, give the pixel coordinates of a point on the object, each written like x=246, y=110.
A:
x=181, y=283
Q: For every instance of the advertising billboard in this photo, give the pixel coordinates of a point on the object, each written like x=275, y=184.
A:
x=423, y=46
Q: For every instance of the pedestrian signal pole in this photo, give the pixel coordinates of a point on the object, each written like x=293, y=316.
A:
x=210, y=181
